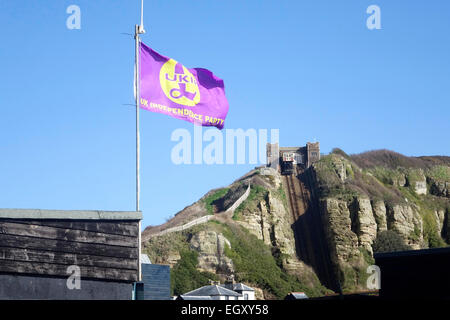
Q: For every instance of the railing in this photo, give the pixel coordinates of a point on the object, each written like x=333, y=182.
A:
x=240, y=200
x=204, y=218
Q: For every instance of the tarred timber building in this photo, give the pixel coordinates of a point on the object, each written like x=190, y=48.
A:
x=42, y=250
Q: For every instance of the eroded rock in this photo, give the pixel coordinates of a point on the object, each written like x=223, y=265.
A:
x=365, y=225
x=379, y=213
x=407, y=222
x=211, y=256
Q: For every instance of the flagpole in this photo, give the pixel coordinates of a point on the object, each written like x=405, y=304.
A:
x=138, y=186
x=137, y=31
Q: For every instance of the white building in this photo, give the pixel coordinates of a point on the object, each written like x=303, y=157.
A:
x=228, y=291
x=212, y=292
x=246, y=292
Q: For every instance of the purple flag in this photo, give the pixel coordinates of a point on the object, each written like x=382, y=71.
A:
x=166, y=86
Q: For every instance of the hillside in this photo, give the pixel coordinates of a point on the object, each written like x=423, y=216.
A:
x=369, y=202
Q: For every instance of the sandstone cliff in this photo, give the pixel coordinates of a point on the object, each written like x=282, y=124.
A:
x=255, y=243
x=360, y=201
x=358, y=198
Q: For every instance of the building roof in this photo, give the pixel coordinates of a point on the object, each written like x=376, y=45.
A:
x=185, y=297
x=69, y=214
x=145, y=259
x=237, y=287
x=212, y=290
x=299, y=295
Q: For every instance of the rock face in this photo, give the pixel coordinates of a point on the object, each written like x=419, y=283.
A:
x=399, y=180
x=356, y=200
x=271, y=222
x=440, y=221
x=282, y=236
x=379, y=212
x=440, y=188
x=352, y=226
x=340, y=168
x=357, y=204
x=406, y=221
x=447, y=226
x=210, y=247
x=355, y=225
x=420, y=185
x=342, y=241
x=258, y=222
x=416, y=178
x=172, y=258
x=259, y=294
x=364, y=223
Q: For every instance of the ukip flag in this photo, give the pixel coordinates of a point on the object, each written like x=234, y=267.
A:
x=166, y=86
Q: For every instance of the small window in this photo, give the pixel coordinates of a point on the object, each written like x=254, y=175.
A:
x=246, y=296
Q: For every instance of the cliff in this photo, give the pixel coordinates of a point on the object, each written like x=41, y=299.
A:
x=255, y=243
x=362, y=196
x=363, y=202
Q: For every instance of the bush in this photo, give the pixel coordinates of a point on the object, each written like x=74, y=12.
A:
x=185, y=277
x=340, y=152
x=430, y=233
x=209, y=201
x=440, y=173
x=389, y=241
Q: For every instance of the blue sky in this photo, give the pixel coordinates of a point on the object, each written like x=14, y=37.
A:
x=309, y=68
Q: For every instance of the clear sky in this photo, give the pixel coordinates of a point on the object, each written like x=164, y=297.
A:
x=311, y=69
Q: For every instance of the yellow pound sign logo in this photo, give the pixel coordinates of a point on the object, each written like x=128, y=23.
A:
x=179, y=84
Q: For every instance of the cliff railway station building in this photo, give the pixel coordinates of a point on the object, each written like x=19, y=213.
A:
x=285, y=157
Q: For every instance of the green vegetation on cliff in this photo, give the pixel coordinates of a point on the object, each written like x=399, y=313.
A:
x=257, y=193
x=209, y=200
x=255, y=263
x=389, y=241
x=253, y=260
x=440, y=173
x=372, y=202
x=185, y=277
x=339, y=178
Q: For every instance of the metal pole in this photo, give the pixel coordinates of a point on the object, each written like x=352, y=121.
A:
x=138, y=186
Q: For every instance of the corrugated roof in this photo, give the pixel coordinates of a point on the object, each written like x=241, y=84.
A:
x=212, y=290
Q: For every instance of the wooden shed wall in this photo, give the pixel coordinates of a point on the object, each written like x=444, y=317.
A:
x=103, y=249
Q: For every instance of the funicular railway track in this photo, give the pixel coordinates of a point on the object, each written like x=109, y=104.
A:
x=299, y=199
x=296, y=211
x=309, y=235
